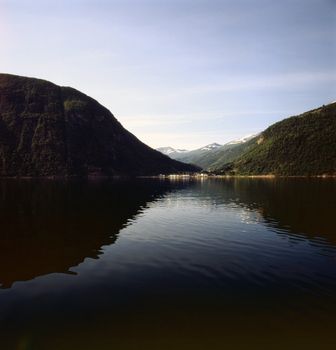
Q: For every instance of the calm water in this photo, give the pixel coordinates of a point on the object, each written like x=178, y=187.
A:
x=150, y=264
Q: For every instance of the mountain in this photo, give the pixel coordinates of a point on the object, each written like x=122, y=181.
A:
x=198, y=157
x=297, y=146
x=48, y=130
x=212, y=156
x=211, y=147
x=242, y=140
x=230, y=151
x=170, y=151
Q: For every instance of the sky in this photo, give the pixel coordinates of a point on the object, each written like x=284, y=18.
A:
x=180, y=73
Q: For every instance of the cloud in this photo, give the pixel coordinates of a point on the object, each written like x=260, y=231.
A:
x=280, y=81
x=232, y=84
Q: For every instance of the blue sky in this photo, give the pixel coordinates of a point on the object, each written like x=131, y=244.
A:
x=181, y=73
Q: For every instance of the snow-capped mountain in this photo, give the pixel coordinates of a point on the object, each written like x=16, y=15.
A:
x=197, y=156
x=210, y=147
x=242, y=140
x=208, y=156
x=168, y=151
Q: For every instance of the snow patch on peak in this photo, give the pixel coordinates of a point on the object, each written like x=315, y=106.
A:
x=170, y=150
x=211, y=146
x=242, y=140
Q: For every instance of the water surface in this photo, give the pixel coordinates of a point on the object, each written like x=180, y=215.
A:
x=150, y=264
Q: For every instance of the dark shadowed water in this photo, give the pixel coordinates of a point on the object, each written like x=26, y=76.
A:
x=150, y=264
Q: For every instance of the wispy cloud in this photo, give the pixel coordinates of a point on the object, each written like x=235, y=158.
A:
x=179, y=72
x=288, y=81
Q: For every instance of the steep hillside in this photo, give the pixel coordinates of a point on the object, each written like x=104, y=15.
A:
x=48, y=130
x=297, y=146
x=228, y=153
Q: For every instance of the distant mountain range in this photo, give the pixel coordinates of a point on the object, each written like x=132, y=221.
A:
x=208, y=156
x=302, y=145
x=48, y=130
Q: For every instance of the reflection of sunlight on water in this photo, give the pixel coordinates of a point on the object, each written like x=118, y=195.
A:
x=250, y=217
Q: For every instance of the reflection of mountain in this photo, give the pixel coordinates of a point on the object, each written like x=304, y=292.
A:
x=51, y=226
x=298, y=206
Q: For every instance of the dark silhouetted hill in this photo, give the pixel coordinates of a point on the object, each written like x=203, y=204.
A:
x=48, y=130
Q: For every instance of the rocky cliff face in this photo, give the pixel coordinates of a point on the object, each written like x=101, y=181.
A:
x=48, y=130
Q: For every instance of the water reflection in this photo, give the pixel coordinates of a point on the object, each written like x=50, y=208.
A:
x=51, y=226
x=195, y=265
x=294, y=206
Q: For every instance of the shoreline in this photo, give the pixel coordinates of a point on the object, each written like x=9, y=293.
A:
x=177, y=176
x=166, y=177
